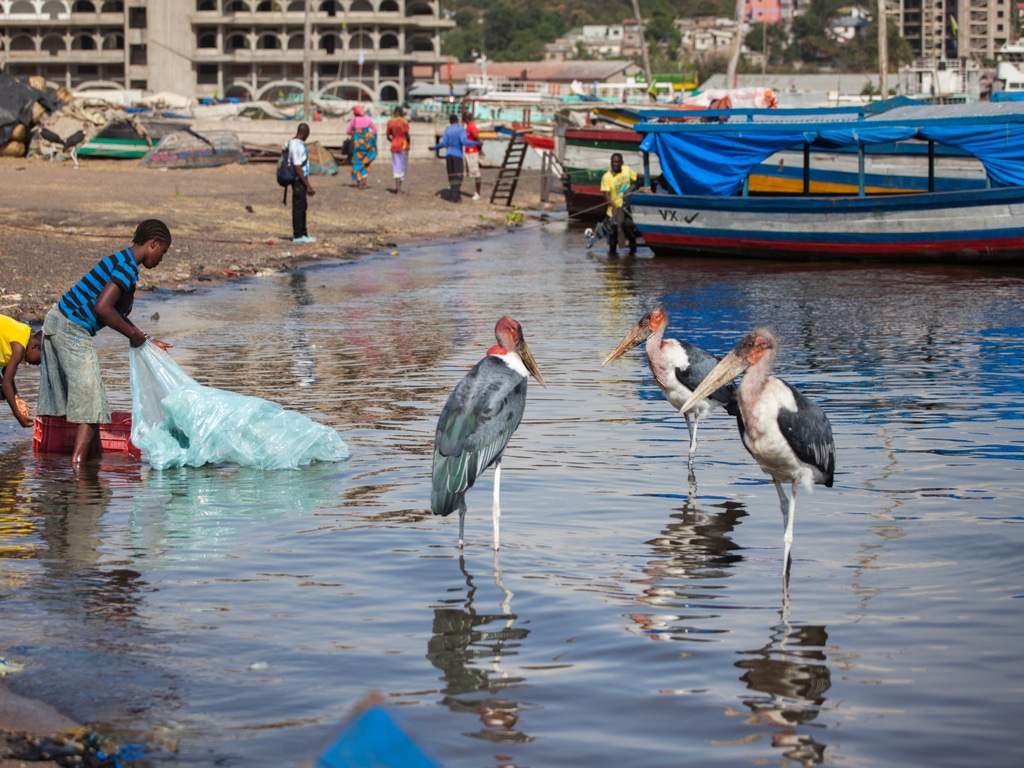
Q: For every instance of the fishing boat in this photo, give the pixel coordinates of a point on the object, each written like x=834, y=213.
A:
x=710, y=210
x=891, y=167
x=118, y=140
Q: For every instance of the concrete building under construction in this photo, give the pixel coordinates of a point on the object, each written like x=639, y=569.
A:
x=250, y=49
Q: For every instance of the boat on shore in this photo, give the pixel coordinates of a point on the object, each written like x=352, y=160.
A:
x=710, y=210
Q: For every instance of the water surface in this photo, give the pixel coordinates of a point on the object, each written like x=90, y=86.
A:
x=234, y=617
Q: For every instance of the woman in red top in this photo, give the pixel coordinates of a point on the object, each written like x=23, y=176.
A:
x=473, y=153
x=398, y=134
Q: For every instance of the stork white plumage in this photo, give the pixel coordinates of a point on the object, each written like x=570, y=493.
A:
x=678, y=367
x=477, y=421
x=789, y=436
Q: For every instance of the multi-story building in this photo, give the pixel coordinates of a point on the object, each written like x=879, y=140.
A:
x=243, y=48
x=951, y=29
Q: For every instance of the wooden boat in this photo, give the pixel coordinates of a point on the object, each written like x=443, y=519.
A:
x=188, y=149
x=711, y=210
x=117, y=149
x=118, y=140
x=890, y=168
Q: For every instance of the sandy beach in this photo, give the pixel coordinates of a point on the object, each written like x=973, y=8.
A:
x=228, y=223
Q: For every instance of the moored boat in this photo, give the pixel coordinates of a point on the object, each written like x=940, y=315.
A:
x=891, y=167
x=711, y=210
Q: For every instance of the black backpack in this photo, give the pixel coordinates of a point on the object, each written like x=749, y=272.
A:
x=286, y=174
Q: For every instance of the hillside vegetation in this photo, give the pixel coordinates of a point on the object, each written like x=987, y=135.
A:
x=518, y=30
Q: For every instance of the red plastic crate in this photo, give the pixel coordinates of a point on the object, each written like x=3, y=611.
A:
x=55, y=434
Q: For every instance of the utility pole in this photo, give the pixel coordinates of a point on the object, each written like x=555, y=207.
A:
x=643, y=46
x=883, y=50
x=730, y=77
x=764, y=47
x=307, y=64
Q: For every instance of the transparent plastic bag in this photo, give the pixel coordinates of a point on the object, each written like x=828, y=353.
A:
x=179, y=422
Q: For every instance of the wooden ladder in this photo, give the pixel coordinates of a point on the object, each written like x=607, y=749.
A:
x=508, y=175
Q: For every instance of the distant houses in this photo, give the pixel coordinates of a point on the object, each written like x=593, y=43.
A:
x=701, y=35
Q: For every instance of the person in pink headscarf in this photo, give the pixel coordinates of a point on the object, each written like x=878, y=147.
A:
x=364, y=145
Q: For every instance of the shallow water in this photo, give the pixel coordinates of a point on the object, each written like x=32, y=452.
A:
x=233, y=617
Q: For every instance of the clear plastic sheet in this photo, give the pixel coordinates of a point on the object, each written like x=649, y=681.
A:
x=179, y=422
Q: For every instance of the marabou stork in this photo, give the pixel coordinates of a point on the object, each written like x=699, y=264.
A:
x=478, y=420
x=70, y=144
x=678, y=367
x=789, y=436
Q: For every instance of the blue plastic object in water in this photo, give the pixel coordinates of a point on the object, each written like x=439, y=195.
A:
x=372, y=739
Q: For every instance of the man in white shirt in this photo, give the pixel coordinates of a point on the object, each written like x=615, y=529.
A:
x=301, y=188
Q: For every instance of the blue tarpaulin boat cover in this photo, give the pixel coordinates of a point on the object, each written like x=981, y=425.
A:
x=715, y=159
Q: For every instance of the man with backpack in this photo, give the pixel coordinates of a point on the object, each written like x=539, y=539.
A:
x=293, y=171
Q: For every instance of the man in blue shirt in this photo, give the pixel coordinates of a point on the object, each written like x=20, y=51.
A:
x=453, y=140
x=70, y=384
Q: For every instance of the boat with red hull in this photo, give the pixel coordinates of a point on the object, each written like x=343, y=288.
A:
x=711, y=212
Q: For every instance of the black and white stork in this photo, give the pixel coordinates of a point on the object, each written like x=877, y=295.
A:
x=678, y=367
x=789, y=436
x=478, y=420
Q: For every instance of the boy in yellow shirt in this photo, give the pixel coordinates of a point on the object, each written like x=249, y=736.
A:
x=17, y=345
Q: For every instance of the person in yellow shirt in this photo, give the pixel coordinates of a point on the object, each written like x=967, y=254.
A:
x=17, y=345
x=616, y=184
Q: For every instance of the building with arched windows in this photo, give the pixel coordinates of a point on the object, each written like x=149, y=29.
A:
x=250, y=49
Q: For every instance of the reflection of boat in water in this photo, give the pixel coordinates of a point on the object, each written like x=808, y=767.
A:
x=711, y=210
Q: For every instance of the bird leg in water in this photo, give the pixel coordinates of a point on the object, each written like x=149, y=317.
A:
x=788, y=537
x=462, y=521
x=496, y=506
x=692, y=429
x=786, y=507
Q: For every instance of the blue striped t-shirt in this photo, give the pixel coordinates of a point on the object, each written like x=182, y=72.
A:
x=78, y=304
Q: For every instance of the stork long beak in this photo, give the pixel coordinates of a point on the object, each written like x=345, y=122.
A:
x=636, y=336
x=529, y=362
x=728, y=368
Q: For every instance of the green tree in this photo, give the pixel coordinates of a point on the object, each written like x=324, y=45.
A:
x=582, y=52
x=810, y=43
x=778, y=46
x=467, y=36
x=898, y=51
x=662, y=36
